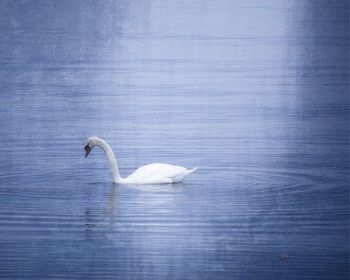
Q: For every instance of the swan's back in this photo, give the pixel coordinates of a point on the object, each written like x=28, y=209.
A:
x=158, y=173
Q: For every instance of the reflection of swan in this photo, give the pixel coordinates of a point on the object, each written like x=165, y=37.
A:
x=155, y=173
x=157, y=188
x=100, y=219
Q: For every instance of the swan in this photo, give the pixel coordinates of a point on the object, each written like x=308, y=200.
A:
x=155, y=173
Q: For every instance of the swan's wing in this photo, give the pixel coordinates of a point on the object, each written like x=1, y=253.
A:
x=157, y=172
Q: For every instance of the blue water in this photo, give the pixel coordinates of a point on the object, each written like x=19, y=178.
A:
x=255, y=93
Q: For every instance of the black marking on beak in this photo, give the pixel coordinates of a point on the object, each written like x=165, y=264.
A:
x=87, y=150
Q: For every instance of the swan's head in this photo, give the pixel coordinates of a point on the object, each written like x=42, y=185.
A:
x=90, y=143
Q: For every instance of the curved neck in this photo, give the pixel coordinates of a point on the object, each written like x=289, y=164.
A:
x=111, y=160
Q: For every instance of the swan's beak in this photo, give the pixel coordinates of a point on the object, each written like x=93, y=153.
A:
x=87, y=150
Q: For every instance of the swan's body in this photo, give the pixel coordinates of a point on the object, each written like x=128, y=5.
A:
x=155, y=173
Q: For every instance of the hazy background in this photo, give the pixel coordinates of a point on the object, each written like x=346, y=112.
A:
x=255, y=93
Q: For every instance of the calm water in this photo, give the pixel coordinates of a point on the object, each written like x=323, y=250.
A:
x=253, y=92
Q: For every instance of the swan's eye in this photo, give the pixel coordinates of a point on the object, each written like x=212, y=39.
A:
x=87, y=150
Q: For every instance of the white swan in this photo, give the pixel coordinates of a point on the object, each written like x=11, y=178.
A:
x=155, y=173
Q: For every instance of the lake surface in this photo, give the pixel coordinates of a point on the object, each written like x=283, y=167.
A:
x=253, y=92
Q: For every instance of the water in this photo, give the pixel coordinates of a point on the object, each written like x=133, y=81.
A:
x=255, y=93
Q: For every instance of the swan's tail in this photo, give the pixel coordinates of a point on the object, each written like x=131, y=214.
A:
x=189, y=172
x=183, y=175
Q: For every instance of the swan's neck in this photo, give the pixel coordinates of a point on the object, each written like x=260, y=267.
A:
x=111, y=160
